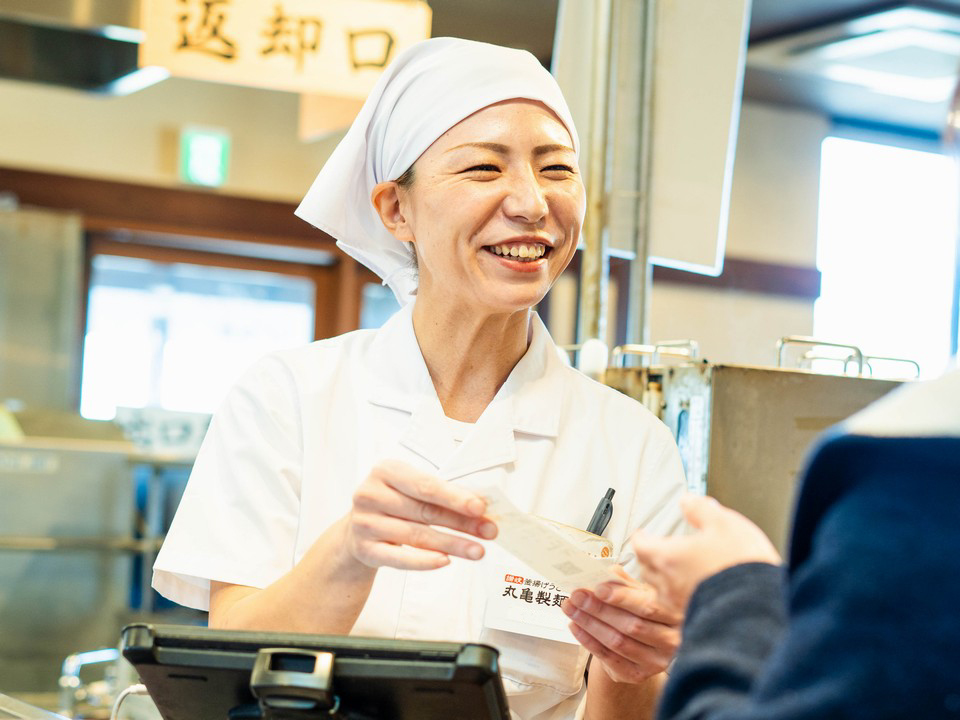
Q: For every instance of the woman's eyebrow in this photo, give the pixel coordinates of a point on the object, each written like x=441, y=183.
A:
x=504, y=150
x=495, y=147
x=544, y=149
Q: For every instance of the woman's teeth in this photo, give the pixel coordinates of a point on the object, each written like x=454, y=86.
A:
x=523, y=252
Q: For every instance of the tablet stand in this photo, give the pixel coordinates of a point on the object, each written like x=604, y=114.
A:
x=290, y=684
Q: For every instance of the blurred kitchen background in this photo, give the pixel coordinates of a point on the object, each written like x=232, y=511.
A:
x=796, y=256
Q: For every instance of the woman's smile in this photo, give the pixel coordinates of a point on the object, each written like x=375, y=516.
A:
x=520, y=256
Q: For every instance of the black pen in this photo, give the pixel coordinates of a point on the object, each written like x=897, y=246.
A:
x=602, y=515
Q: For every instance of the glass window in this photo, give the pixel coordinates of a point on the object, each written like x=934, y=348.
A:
x=178, y=335
x=887, y=252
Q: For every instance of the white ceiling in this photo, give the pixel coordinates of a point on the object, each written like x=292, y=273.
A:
x=879, y=63
x=774, y=18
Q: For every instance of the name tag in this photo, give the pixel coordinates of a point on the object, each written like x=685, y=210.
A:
x=519, y=600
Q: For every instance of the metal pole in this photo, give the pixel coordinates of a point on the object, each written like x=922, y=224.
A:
x=951, y=137
x=594, y=271
x=641, y=271
x=955, y=314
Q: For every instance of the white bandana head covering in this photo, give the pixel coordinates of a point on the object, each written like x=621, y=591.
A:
x=425, y=91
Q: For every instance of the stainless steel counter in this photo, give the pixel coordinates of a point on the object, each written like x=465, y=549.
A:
x=744, y=432
x=70, y=536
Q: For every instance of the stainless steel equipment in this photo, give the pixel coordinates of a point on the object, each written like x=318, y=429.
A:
x=744, y=432
x=12, y=708
x=80, y=508
x=66, y=531
x=42, y=41
x=41, y=273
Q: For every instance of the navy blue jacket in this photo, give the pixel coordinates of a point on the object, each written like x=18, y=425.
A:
x=865, y=620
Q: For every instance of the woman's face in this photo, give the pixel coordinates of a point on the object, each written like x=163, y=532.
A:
x=495, y=208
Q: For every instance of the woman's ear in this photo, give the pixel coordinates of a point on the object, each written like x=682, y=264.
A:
x=386, y=201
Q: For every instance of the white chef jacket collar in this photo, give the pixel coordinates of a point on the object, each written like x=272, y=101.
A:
x=528, y=402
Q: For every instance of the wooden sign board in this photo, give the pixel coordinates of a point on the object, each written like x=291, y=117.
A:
x=321, y=115
x=314, y=47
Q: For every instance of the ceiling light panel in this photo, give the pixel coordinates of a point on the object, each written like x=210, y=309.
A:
x=910, y=53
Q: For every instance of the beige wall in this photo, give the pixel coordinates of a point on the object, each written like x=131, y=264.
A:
x=773, y=218
x=774, y=199
x=134, y=137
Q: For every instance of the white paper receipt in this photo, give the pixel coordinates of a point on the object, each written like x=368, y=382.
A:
x=542, y=547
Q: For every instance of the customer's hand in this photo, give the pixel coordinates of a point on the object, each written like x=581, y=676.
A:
x=674, y=566
x=395, y=515
x=625, y=629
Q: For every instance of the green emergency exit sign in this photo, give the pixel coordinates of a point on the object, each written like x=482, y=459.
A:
x=204, y=156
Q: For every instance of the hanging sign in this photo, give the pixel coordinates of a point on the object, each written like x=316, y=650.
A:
x=321, y=115
x=324, y=47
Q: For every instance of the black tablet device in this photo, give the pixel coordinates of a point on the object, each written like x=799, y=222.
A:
x=196, y=673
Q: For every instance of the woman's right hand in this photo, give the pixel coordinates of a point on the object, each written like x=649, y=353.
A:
x=395, y=515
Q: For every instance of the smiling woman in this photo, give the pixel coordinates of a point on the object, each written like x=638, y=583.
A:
x=339, y=469
x=494, y=214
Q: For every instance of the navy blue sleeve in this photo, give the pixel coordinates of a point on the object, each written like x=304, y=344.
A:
x=733, y=622
x=872, y=627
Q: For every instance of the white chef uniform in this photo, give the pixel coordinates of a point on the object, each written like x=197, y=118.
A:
x=302, y=429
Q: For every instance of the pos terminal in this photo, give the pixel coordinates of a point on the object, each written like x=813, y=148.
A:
x=195, y=673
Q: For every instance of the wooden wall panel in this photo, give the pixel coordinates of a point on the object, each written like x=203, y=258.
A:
x=108, y=204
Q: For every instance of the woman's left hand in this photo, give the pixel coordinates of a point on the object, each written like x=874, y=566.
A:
x=624, y=628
